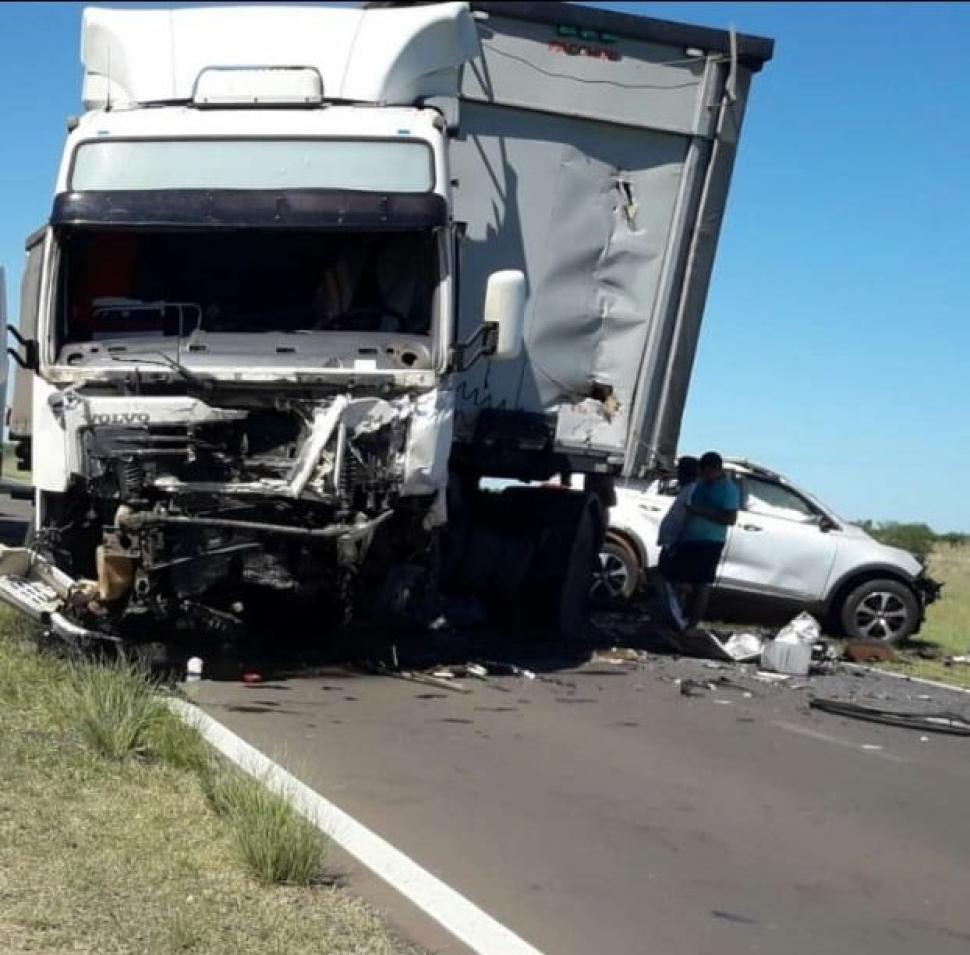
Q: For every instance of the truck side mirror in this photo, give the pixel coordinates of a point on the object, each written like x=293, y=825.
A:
x=505, y=312
x=500, y=334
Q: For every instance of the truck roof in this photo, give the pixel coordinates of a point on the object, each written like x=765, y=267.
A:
x=752, y=51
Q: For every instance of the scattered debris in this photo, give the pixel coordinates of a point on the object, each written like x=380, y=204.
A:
x=461, y=670
x=950, y=723
x=869, y=651
x=737, y=648
x=766, y=676
x=429, y=679
x=694, y=687
x=619, y=655
x=495, y=668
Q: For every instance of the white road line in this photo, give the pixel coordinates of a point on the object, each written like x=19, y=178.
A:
x=838, y=741
x=468, y=923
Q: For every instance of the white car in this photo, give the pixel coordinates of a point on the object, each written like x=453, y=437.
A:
x=787, y=550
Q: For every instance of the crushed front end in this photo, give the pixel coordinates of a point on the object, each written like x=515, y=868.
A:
x=183, y=513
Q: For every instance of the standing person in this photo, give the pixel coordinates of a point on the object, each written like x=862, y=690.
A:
x=671, y=529
x=712, y=509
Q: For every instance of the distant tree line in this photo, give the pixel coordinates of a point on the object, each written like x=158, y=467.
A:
x=917, y=538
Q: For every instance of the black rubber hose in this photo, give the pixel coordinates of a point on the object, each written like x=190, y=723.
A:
x=951, y=724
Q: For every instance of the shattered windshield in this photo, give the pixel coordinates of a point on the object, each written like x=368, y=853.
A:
x=128, y=284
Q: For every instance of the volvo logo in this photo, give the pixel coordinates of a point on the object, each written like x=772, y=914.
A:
x=128, y=417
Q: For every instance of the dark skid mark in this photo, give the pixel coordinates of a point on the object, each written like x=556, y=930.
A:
x=626, y=723
x=431, y=696
x=352, y=699
x=275, y=687
x=257, y=709
x=497, y=709
x=575, y=699
x=451, y=719
x=734, y=917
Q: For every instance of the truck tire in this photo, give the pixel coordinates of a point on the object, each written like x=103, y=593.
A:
x=880, y=609
x=569, y=538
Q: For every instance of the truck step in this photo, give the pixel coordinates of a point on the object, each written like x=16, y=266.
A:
x=31, y=597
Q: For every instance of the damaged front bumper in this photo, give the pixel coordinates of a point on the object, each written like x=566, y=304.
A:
x=927, y=589
x=32, y=585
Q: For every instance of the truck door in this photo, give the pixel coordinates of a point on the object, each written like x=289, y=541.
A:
x=19, y=397
x=778, y=547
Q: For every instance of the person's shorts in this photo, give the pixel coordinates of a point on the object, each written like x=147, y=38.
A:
x=691, y=562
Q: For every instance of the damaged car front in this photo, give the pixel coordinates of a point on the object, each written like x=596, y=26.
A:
x=237, y=396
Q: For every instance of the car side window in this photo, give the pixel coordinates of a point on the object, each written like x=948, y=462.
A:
x=667, y=487
x=773, y=500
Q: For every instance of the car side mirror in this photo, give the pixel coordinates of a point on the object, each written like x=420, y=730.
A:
x=500, y=334
x=826, y=524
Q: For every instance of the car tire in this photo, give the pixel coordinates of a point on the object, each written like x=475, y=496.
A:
x=617, y=574
x=882, y=609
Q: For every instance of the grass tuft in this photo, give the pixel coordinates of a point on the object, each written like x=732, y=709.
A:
x=273, y=840
x=113, y=706
x=179, y=745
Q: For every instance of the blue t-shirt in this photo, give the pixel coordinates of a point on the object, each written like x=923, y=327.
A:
x=722, y=494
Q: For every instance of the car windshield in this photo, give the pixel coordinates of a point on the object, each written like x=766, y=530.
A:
x=141, y=284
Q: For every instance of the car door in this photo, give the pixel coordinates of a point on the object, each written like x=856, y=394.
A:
x=779, y=546
x=638, y=512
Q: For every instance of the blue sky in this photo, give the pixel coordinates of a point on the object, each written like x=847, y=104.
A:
x=836, y=341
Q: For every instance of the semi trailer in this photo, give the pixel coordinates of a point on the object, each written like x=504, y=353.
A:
x=312, y=275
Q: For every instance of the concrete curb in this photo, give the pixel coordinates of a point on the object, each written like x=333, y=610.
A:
x=904, y=676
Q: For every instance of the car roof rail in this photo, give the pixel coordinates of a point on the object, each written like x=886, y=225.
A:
x=755, y=468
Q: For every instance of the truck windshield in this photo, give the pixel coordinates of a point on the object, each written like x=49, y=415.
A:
x=125, y=284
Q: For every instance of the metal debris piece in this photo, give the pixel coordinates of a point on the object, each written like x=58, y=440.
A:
x=428, y=679
x=765, y=676
x=496, y=668
x=694, y=687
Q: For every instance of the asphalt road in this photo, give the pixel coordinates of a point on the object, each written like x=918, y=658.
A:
x=599, y=810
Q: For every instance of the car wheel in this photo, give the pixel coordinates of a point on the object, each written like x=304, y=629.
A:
x=617, y=574
x=885, y=610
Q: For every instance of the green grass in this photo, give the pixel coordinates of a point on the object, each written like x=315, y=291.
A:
x=108, y=853
x=113, y=706
x=947, y=621
x=272, y=840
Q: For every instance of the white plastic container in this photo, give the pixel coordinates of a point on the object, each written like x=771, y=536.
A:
x=193, y=670
x=782, y=656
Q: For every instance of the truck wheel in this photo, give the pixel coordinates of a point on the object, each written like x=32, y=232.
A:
x=616, y=577
x=884, y=609
x=570, y=537
x=574, y=597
